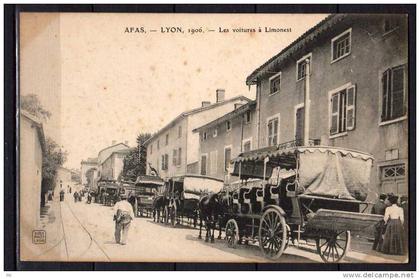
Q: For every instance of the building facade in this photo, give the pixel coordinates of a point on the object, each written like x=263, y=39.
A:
x=225, y=138
x=357, y=92
x=174, y=149
x=113, y=165
x=89, y=171
x=32, y=148
x=63, y=178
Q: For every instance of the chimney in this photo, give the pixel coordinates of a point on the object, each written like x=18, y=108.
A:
x=220, y=95
x=205, y=104
x=113, y=142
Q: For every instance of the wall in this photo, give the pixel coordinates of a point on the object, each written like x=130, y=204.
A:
x=200, y=119
x=84, y=168
x=371, y=54
x=29, y=183
x=174, y=142
x=233, y=138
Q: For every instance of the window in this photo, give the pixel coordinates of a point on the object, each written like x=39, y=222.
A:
x=248, y=117
x=204, y=135
x=179, y=131
x=203, y=170
x=165, y=159
x=228, y=155
x=342, y=110
x=179, y=156
x=341, y=45
x=215, y=133
x=228, y=125
x=272, y=131
x=158, y=145
x=275, y=84
x=166, y=139
x=174, y=157
x=246, y=145
x=301, y=65
x=393, y=93
x=393, y=172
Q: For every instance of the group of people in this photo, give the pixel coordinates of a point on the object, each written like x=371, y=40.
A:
x=78, y=195
x=391, y=234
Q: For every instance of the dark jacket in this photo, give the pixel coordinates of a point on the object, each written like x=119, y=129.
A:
x=379, y=208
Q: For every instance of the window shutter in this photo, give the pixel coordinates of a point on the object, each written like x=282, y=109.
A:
x=334, y=114
x=384, y=95
x=398, y=92
x=351, y=107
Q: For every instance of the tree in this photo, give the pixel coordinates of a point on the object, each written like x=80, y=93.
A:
x=135, y=161
x=32, y=105
x=53, y=158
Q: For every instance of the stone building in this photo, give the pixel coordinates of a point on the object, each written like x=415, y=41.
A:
x=358, y=91
x=31, y=148
x=174, y=149
x=225, y=138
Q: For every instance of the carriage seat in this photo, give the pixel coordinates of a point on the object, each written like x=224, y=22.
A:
x=244, y=200
x=236, y=206
x=257, y=202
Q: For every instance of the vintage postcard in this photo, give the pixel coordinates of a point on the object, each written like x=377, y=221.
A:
x=237, y=138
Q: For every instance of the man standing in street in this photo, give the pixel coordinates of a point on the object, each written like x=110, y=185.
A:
x=379, y=208
x=123, y=215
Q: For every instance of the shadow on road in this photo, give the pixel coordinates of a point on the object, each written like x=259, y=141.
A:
x=252, y=252
x=177, y=226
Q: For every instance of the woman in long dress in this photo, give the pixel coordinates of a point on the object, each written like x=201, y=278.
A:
x=393, y=239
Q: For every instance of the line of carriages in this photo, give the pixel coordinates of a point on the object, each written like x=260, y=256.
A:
x=280, y=195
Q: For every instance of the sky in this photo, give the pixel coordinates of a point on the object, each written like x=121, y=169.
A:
x=114, y=85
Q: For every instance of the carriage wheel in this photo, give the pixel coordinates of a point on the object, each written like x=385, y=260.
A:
x=272, y=234
x=332, y=249
x=232, y=233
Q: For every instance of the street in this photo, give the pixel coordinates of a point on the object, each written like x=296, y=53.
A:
x=85, y=232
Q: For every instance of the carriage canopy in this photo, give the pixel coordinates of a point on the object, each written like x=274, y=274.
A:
x=197, y=184
x=149, y=180
x=321, y=171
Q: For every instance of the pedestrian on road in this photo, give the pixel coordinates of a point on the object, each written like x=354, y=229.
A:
x=393, y=239
x=379, y=208
x=123, y=215
x=76, y=196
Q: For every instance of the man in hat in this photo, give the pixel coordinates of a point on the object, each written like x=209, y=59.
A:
x=123, y=215
x=379, y=208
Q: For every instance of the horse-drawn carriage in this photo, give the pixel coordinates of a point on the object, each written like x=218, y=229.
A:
x=309, y=193
x=184, y=193
x=146, y=188
x=108, y=192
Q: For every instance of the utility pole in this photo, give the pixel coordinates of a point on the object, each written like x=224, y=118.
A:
x=307, y=103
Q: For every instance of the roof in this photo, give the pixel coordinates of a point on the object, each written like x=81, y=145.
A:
x=289, y=153
x=194, y=111
x=103, y=149
x=90, y=161
x=149, y=179
x=309, y=36
x=239, y=111
x=38, y=125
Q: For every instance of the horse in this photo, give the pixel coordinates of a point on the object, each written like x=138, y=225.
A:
x=209, y=207
x=159, y=204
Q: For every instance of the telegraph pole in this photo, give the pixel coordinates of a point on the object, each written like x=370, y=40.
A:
x=307, y=103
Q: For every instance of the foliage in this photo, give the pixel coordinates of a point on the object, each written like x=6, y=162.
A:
x=135, y=161
x=53, y=158
x=32, y=105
